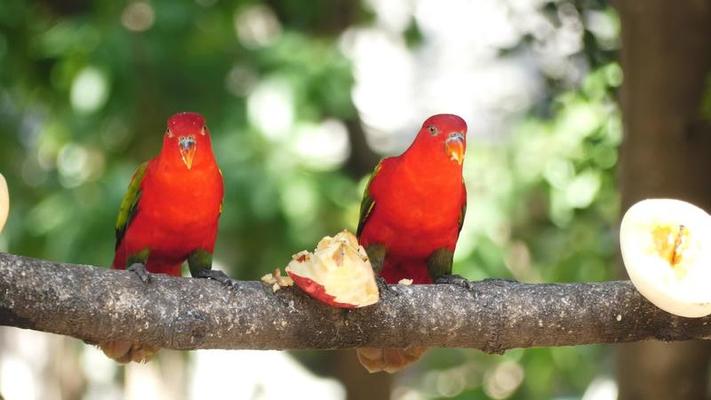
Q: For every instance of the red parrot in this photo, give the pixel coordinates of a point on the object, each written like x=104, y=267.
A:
x=410, y=218
x=169, y=215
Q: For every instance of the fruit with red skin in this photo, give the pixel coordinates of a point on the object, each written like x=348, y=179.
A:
x=337, y=273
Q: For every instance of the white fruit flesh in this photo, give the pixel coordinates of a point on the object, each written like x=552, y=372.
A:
x=342, y=270
x=666, y=248
x=276, y=281
x=4, y=202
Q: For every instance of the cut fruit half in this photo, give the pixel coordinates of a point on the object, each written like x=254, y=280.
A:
x=4, y=202
x=337, y=273
x=666, y=249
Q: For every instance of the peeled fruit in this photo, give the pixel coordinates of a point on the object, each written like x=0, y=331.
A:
x=666, y=248
x=337, y=273
x=4, y=202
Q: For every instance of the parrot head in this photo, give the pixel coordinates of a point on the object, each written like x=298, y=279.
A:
x=447, y=134
x=187, y=137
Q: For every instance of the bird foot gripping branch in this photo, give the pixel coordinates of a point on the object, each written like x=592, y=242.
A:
x=218, y=276
x=140, y=270
x=457, y=280
x=384, y=287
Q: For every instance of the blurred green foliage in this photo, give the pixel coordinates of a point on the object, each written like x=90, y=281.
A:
x=544, y=208
x=542, y=203
x=68, y=164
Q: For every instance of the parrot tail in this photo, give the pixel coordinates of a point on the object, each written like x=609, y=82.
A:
x=124, y=351
x=389, y=360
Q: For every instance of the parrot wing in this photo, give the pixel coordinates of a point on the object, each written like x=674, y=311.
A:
x=222, y=202
x=367, y=204
x=440, y=262
x=463, y=210
x=129, y=204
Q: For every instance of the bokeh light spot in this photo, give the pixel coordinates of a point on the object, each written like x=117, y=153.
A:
x=270, y=108
x=138, y=16
x=503, y=380
x=257, y=26
x=89, y=90
x=323, y=146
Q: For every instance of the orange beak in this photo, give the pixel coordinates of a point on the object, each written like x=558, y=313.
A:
x=454, y=146
x=188, y=146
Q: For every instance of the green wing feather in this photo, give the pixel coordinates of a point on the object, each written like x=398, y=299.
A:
x=367, y=204
x=222, y=202
x=463, y=211
x=440, y=262
x=129, y=204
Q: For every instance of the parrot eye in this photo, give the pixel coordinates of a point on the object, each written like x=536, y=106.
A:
x=433, y=130
x=169, y=133
x=203, y=131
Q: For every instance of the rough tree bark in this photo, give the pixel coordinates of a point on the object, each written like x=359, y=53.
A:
x=666, y=57
x=96, y=304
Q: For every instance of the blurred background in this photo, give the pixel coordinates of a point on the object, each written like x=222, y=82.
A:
x=303, y=98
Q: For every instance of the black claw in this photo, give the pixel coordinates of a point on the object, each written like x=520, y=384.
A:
x=455, y=280
x=218, y=276
x=383, y=286
x=140, y=270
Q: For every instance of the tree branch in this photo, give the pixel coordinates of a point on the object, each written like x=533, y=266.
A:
x=96, y=304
